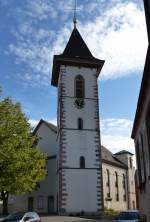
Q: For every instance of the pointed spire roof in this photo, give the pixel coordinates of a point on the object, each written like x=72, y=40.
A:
x=76, y=53
x=76, y=46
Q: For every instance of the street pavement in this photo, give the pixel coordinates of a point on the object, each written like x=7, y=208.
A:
x=69, y=219
x=63, y=219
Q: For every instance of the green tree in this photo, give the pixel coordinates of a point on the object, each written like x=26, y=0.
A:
x=22, y=166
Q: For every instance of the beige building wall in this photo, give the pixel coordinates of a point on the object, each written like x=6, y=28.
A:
x=127, y=159
x=118, y=199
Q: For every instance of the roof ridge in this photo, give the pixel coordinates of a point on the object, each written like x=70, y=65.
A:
x=123, y=152
x=119, y=161
x=108, y=156
x=48, y=124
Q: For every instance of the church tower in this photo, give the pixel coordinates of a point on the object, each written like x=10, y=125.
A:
x=79, y=167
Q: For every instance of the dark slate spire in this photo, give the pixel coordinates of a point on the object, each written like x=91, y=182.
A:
x=76, y=47
x=76, y=53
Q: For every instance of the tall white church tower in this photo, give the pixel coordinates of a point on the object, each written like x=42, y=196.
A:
x=79, y=167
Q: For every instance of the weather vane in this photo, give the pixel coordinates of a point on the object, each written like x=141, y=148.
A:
x=75, y=14
x=74, y=9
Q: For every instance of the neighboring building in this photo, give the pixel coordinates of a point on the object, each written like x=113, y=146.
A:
x=141, y=130
x=42, y=199
x=118, y=178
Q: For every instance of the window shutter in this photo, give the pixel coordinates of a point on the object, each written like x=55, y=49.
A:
x=79, y=86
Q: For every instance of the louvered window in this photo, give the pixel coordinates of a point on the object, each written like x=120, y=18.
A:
x=79, y=87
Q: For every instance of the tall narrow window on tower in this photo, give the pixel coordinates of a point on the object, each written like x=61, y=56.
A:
x=80, y=123
x=82, y=162
x=79, y=86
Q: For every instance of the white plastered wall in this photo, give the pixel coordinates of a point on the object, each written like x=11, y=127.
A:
x=81, y=184
x=47, y=144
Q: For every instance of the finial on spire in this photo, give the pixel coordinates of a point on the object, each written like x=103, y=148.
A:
x=74, y=9
x=75, y=14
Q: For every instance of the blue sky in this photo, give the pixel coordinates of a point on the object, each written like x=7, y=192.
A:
x=31, y=32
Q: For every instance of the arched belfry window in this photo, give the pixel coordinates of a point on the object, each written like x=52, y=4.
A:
x=80, y=123
x=82, y=162
x=79, y=86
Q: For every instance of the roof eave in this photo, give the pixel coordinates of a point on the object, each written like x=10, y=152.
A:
x=77, y=61
x=39, y=124
x=114, y=164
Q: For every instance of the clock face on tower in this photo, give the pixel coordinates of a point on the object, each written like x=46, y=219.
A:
x=79, y=103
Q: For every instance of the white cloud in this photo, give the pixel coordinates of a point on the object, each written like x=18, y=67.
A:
x=41, y=10
x=118, y=35
x=33, y=122
x=53, y=121
x=115, y=127
x=116, y=134
x=117, y=143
